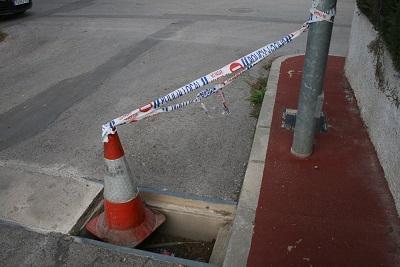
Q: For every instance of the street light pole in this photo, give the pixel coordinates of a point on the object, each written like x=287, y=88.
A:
x=316, y=56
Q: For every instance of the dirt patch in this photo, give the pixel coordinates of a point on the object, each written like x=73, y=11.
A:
x=164, y=244
x=258, y=88
x=377, y=48
x=178, y=247
x=3, y=36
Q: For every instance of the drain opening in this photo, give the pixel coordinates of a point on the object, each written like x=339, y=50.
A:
x=180, y=247
x=196, y=229
x=169, y=245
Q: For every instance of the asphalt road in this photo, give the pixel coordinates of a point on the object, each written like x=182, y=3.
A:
x=21, y=247
x=67, y=67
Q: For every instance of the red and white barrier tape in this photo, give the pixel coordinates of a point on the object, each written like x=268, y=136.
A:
x=235, y=68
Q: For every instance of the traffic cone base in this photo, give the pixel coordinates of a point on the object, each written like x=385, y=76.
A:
x=132, y=236
x=119, y=216
x=125, y=220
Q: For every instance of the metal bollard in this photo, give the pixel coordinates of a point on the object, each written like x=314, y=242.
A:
x=316, y=56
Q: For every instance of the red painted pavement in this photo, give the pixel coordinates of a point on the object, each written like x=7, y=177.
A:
x=334, y=208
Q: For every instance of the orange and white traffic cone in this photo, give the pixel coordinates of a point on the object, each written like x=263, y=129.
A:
x=125, y=220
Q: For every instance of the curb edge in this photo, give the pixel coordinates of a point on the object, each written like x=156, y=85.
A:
x=242, y=229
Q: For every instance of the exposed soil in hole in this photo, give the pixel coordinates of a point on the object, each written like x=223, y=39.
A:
x=170, y=245
x=178, y=247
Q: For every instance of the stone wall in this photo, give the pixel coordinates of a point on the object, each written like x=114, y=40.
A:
x=376, y=85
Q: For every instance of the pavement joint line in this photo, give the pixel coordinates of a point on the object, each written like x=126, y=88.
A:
x=242, y=228
x=58, y=171
x=194, y=17
x=26, y=227
x=257, y=161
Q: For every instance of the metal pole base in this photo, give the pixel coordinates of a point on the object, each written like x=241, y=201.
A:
x=299, y=155
x=311, y=93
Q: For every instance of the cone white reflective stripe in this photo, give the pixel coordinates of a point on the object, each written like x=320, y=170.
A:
x=119, y=186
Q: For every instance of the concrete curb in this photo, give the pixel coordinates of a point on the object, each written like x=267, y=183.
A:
x=243, y=224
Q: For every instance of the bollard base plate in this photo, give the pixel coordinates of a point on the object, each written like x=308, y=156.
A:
x=289, y=121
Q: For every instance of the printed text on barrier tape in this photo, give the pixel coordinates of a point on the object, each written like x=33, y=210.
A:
x=318, y=15
x=236, y=68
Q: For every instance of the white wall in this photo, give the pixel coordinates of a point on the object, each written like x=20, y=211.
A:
x=378, y=97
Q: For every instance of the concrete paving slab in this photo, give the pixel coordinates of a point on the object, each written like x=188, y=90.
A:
x=43, y=202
